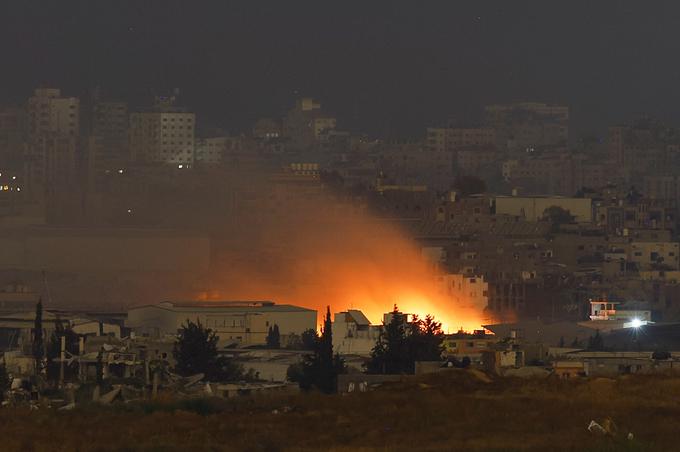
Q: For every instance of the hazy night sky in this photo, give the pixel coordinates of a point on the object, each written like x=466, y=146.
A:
x=380, y=65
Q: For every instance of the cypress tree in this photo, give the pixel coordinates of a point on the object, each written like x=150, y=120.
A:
x=326, y=381
x=320, y=369
x=273, y=337
x=277, y=336
x=38, y=340
x=390, y=354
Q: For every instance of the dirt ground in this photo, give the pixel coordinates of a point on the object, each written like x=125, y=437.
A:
x=456, y=410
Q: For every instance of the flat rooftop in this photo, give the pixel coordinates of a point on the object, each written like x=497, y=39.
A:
x=226, y=305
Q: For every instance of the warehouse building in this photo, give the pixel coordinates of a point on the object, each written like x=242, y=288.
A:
x=241, y=323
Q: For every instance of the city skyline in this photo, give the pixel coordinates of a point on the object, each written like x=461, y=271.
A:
x=380, y=77
x=268, y=226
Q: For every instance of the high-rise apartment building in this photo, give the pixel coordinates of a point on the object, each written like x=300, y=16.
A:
x=105, y=137
x=50, y=157
x=163, y=135
x=50, y=113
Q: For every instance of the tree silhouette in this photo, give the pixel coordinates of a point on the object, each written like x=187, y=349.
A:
x=429, y=338
x=309, y=338
x=320, y=369
x=390, y=354
x=402, y=343
x=195, y=351
x=274, y=337
x=557, y=215
x=38, y=340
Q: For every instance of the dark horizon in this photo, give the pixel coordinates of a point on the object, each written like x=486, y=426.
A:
x=385, y=68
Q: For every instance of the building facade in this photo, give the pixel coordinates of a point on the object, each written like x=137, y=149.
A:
x=353, y=334
x=51, y=113
x=165, y=134
x=235, y=322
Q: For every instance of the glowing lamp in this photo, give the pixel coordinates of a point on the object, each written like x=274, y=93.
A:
x=636, y=323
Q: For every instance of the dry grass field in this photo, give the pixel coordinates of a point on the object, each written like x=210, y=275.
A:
x=450, y=411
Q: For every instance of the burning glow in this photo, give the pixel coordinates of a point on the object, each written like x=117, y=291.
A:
x=347, y=260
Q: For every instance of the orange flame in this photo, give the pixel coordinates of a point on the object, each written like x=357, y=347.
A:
x=359, y=264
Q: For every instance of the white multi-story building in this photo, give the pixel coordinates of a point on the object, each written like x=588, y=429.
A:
x=163, y=135
x=353, y=334
x=51, y=114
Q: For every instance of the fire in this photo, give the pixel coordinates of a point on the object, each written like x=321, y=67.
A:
x=359, y=264
x=452, y=318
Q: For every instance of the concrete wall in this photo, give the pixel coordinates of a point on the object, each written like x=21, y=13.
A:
x=353, y=345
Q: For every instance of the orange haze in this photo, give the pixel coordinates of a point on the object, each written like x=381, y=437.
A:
x=314, y=255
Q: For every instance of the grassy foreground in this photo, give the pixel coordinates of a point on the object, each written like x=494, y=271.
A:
x=451, y=411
